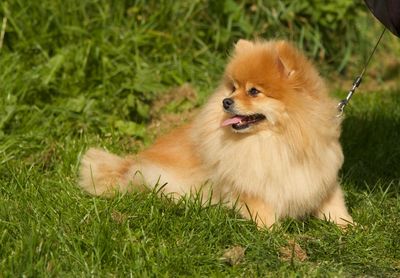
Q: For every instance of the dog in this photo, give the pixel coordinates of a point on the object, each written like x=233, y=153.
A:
x=267, y=142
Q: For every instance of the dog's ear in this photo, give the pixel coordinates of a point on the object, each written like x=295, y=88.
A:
x=243, y=45
x=284, y=49
x=284, y=71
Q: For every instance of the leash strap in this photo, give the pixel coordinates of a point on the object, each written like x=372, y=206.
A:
x=342, y=104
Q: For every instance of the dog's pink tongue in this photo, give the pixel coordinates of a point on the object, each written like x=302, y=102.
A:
x=231, y=121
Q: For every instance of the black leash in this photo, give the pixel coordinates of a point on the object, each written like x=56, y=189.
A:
x=342, y=104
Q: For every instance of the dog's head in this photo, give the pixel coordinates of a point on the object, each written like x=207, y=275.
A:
x=263, y=82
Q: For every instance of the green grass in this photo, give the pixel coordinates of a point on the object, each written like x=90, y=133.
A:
x=75, y=74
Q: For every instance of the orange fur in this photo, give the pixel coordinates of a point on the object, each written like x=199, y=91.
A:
x=254, y=207
x=284, y=165
x=174, y=150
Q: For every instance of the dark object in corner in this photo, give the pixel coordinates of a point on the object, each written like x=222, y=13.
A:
x=387, y=12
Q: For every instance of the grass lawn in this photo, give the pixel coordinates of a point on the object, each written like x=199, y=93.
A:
x=75, y=74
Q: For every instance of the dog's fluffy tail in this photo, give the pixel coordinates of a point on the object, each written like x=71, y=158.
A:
x=103, y=173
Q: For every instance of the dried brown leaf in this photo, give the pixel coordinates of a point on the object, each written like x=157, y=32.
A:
x=234, y=255
x=292, y=251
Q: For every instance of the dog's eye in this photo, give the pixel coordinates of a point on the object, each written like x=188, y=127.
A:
x=253, y=92
x=233, y=88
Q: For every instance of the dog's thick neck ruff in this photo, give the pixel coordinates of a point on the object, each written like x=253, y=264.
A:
x=269, y=165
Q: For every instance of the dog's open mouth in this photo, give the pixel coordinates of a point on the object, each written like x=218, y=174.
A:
x=239, y=122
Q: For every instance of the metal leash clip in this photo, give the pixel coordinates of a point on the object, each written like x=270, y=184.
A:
x=342, y=104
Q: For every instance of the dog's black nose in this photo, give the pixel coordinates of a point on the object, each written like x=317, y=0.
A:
x=227, y=103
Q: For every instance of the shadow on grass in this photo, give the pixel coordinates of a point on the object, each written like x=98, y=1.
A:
x=371, y=141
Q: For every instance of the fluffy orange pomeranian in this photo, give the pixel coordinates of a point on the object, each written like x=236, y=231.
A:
x=266, y=141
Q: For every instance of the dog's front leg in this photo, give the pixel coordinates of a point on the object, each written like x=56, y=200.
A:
x=258, y=210
x=333, y=208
